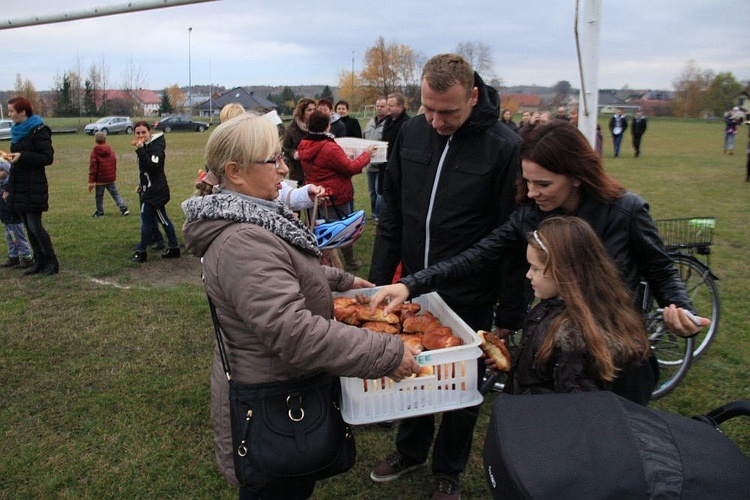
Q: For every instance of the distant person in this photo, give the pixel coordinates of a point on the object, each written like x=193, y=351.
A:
x=230, y=111
x=27, y=192
x=154, y=191
x=637, y=129
x=618, y=124
x=397, y=116
x=374, y=132
x=295, y=132
x=545, y=117
x=731, y=121
x=103, y=174
x=561, y=114
x=19, y=251
x=531, y=124
x=353, y=128
x=573, y=116
x=338, y=129
x=506, y=118
x=525, y=118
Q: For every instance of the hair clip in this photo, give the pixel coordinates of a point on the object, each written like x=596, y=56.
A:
x=539, y=241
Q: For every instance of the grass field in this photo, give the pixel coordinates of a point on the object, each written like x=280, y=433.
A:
x=104, y=368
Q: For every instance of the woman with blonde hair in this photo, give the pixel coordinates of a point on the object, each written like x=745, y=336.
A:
x=262, y=272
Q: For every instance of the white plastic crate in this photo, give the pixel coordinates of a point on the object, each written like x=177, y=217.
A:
x=453, y=384
x=353, y=147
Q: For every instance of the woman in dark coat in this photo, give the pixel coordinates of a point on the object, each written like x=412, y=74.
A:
x=154, y=191
x=27, y=193
x=295, y=132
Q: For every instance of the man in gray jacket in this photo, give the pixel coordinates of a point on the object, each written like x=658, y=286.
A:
x=374, y=132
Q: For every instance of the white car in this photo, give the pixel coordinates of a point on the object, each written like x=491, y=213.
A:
x=110, y=125
x=5, y=129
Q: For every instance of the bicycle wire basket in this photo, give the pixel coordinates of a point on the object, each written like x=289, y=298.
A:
x=688, y=232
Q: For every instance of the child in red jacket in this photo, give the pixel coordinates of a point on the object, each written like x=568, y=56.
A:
x=102, y=175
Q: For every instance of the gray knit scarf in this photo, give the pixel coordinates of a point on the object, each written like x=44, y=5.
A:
x=272, y=216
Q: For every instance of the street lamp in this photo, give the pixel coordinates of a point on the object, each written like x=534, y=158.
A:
x=190, y=76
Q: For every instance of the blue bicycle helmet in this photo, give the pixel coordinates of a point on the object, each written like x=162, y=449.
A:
x=341, y=232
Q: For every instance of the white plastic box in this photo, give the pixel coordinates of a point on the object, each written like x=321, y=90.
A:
x=353, y=147
x=453, y=384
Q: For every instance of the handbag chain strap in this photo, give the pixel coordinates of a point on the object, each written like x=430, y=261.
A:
x=219, y=338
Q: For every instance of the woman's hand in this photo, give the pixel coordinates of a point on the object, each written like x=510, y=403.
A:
x=361, y=283
x=371, y=149
x=313, y=191
x=392, y=295
x=408, y=366
x=295, y=155
x=13, y=157
x=680, y=323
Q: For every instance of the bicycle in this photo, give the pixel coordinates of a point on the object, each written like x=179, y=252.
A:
x=684, y=239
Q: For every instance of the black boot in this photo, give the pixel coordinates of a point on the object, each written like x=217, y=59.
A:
x=171, y=253
x=11, y=262
x=139, y=257
x=36, y=268
x=52, y=267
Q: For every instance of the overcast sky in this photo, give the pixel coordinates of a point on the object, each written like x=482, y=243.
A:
x=644, y=43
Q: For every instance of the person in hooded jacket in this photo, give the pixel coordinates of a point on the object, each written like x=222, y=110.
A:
x=154, y=191
x=326, y=164
x=27, y=192
x=449, y=181
x=103, y=174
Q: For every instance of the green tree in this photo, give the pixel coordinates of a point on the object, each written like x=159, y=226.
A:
x=89, y=99
x=327, y=93
x=64, y=104
x=722, y=93
x=165, y=107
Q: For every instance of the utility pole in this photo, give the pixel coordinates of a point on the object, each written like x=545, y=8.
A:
x=190, y=77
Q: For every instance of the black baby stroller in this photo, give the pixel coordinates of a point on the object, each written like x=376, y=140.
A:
x=598, y=445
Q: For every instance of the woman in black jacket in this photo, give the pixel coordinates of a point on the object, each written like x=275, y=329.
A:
x=563, y=175
x=154, y=191
x=27, y=192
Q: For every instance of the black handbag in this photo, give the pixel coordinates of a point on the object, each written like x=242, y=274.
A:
x=287, y=431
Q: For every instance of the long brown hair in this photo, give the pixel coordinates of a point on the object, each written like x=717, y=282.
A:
x=561, y=148
x=596, y=299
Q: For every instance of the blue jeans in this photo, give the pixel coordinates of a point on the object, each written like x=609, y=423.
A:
x=373, y=185
x=115, y=196
x=18, y=245
x=617, y=140
x=150, y=216
x=728, y=142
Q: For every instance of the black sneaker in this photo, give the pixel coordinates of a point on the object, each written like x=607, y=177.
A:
x=125, y=212
x=96, y=215
x=390, y=469
x=11, y=262
x=446, y=488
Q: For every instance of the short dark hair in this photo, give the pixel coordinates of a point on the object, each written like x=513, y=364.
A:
x=325, y=102
x=142, y=123
x=342, y=102
x=318, y=121
x=21, y=104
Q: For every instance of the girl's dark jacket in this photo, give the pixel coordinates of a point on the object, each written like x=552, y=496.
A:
x=27, y=185
x=569, y=368
x=153, y=180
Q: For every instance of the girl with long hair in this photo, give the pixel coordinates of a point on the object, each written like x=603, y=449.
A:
x=584, y=329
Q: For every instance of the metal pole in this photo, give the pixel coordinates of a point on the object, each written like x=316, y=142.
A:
x=190, y=77
x=588, y=47
x=95, y=12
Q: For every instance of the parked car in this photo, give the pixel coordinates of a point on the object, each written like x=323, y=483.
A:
x=171, y=123
x=5, y=129
x=110, y=125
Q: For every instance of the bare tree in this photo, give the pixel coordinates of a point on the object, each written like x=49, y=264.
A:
x=132, y=80
x=479, y=55
x=390, y=68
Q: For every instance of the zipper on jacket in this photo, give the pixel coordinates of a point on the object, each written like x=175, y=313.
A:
x=432, y=204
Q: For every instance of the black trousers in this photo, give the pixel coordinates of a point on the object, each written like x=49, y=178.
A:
x=453, y=441
x=40, y=241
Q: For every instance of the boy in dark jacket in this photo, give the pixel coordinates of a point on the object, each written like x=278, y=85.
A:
x=102, y=175
x=19, y=252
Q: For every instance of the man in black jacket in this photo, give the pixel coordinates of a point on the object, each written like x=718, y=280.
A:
x=637, y=129
x=449, y=181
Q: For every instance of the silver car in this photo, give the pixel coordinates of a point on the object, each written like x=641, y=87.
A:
x=5, y=129
x=110, y=125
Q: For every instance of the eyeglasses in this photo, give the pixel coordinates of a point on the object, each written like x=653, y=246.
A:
x=277, y=161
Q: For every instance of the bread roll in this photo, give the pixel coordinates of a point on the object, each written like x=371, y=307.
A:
x=494, y=348
x=364, y=315
x=380, y=326
x=419, y=323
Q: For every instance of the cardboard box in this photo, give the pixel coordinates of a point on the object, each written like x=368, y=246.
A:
x=453, y=384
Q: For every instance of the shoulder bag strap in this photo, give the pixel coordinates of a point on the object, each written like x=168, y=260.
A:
x=219, y=338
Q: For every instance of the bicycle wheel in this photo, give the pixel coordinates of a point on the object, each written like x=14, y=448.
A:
x=701, y=287
x=673, y=354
